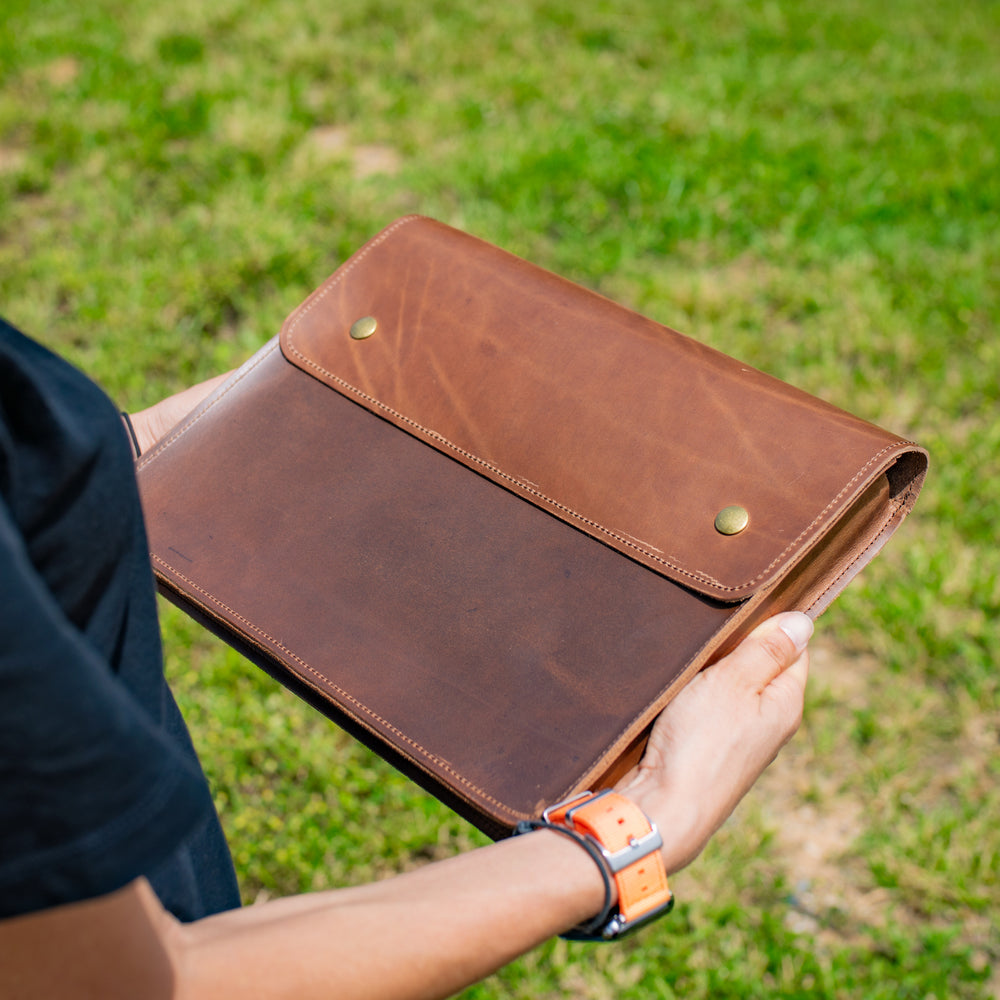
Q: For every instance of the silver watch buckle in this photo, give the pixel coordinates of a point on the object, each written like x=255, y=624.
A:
x=616, y=925
x=636, y=849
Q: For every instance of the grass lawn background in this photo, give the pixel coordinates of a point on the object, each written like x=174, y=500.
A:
x=813, y=188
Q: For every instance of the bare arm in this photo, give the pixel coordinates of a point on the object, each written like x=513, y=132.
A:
x=430, y=932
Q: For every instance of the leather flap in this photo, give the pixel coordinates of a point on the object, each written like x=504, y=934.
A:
x=631, y=432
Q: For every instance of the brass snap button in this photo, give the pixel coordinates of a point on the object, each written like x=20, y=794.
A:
x=732, y=520
x=363, y=328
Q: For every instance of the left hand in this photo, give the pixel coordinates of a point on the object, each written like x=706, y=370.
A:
x=153, y=422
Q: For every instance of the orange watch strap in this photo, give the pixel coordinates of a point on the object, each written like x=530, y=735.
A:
x=620, y=826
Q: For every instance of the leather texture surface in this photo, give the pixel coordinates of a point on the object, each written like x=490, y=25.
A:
x=631, y=431
x=482, y=539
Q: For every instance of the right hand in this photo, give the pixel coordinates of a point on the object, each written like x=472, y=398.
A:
x=713, y=741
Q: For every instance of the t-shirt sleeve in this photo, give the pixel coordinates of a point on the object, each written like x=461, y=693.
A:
x=91, y=793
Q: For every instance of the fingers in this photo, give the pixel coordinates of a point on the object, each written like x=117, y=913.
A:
x=153, y=422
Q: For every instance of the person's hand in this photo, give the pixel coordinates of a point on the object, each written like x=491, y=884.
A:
x=715, y=738
x=152, y=423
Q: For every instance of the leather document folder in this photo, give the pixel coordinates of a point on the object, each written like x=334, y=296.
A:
x=491, y=522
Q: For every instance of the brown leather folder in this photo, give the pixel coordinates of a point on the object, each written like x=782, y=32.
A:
x=472, y=512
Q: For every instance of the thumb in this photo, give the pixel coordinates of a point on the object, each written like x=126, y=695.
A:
x=781, y=652
x=771, y=648
x=797, y=626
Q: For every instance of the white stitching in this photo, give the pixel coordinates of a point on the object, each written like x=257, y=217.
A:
x=327, y=683
x=521, y=485
x=162, y=446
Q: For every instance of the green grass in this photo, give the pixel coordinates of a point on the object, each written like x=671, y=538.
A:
x=814, y=188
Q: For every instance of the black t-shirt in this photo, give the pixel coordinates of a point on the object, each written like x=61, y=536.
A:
x=99, y=782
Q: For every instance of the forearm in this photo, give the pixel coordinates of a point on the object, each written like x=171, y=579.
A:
x=424, y=934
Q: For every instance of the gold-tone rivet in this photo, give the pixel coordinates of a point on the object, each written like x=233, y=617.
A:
x=363, y=328
x=732, y=520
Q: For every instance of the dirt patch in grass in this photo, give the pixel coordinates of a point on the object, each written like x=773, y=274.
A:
x=61, y=72
x=334, y=142
x=11, y=159
x=817, y=817
x=841, y=809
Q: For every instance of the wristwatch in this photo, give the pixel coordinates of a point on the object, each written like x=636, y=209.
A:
x=626, y=845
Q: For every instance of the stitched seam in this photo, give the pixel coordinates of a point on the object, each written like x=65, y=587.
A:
x=326, y=682
x=893, y=510
x=342, y=273
x=519, y=484
x=676, y=682
x=895, y=507
x=569, y=512
x=575, y=515
x=224, y=391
